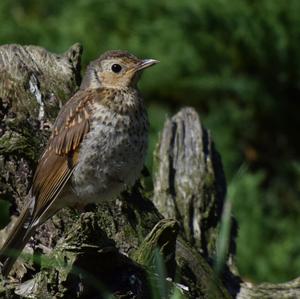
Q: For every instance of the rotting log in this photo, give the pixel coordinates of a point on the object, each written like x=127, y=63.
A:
x=113, y=248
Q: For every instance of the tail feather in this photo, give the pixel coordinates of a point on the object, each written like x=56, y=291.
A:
x=16, y=241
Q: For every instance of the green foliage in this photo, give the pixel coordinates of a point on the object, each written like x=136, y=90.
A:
x=268, y=243
x=160, y=286
x=237, y=62
x=224, y=238
x=158, y=115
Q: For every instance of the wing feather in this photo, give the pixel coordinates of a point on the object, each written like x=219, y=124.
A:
x=61, y=154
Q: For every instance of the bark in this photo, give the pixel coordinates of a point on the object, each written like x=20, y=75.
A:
x=190, y=183
x=33, y=85
x=288, y=290
x=136, y=246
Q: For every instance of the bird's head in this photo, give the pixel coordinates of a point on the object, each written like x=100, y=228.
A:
x=115, y=69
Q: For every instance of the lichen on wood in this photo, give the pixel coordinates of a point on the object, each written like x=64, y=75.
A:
x=34, y=83
x=190, y=183
x=111, y=250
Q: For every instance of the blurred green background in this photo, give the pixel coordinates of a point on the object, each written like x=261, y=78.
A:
x=238, y=63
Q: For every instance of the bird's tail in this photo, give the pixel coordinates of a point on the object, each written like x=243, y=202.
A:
x=16, y=241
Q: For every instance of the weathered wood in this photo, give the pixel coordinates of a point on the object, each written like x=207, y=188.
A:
x=162, y=238
x=119, y=247
x=190, y=183
x=288, y=290
x=34, y=83
x=111, y=242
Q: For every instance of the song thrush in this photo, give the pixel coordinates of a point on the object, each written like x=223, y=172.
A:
x=97, y=147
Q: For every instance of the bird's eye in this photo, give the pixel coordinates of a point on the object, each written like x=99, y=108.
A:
x=116, y=68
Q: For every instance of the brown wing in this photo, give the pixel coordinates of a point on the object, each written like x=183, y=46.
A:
x=61, y=155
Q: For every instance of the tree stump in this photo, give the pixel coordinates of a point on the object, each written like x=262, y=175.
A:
x=131, y=247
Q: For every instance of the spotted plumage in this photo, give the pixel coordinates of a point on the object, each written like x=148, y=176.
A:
x=97, y=146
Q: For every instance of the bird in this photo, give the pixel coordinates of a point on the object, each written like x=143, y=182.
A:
x=96, y=150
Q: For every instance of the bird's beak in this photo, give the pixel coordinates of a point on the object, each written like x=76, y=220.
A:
x=146, y=63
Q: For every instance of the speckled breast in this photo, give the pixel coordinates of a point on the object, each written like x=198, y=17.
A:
x=112, y=154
